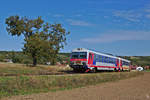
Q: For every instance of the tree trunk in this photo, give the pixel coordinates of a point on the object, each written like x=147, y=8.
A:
x=34, y=61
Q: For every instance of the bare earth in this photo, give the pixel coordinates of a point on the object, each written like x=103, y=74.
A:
x=137, y=88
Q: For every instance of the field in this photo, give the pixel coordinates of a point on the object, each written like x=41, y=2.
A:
x=8, y=69
x=17, y=79
x=136, y=88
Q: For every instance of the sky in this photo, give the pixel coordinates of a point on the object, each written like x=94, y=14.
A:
x=119, y=27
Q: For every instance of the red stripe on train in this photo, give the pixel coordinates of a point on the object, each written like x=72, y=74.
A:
x=103, y=66
x=78, y=59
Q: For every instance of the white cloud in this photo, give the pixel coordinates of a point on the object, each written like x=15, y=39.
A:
x=58, y=15
x=78, y=15
x=147, y=10
x=148, y=15
x=78, y=23
x=119, y=36
x=129, y=15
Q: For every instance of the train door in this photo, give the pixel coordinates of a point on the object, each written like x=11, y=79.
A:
x=91, y=57
x=121, y=65
x=118, y=66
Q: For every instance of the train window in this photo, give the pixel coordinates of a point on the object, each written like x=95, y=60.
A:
x=105, y=59
x=125, y=63
x=100, y=58
x=94, y=57
x=83, y=55
x=110, y=60
x=114, y=61
x=97, y=58
x=75, y=55
x=79, y=55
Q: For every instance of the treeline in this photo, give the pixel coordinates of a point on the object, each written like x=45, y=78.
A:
x=138, y=60
x=20, y=57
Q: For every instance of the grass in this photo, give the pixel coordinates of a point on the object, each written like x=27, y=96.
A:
x=21, y=85
x=7, y=69
x=147, y=70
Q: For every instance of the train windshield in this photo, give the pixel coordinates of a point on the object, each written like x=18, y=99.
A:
x=79, y=55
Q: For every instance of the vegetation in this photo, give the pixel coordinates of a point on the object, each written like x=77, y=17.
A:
x=35, y=84
x=20, y=69
x=20, y=57
x=41, y=39
x=139, y=60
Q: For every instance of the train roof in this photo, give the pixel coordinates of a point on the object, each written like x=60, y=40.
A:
x=100, y=53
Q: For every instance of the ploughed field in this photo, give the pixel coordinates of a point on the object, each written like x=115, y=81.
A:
x=136, y=88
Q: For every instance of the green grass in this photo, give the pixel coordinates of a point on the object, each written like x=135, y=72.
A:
x=21, y=85
x=147, y=70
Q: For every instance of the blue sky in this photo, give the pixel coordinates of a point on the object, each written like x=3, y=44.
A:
x=120, y=27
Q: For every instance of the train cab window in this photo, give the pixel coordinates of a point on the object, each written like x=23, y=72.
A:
x=79, y=55
x=75, y=55
x=83, y=55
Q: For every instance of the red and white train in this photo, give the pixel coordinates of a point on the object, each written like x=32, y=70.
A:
x=88, y=60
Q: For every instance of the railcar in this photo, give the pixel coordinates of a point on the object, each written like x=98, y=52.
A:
x=88, y=60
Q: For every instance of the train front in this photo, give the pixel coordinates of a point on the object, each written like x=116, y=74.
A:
x=78, y=60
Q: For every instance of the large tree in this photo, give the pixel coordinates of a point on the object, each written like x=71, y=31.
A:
x=41, y=39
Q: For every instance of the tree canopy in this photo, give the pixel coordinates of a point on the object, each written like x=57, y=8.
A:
x=41, y=39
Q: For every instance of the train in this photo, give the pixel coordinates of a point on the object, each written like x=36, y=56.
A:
x=85, y=60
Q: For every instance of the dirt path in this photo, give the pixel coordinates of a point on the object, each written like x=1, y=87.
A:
x=137, y=88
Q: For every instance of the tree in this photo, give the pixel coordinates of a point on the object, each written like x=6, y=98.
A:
x=57, y=40
x=41, y=39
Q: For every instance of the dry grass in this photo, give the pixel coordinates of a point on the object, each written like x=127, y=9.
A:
x=34, y=84
x=8, y=69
